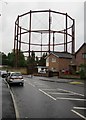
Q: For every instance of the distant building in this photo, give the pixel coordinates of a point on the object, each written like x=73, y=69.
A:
x=80, y=56
x=58, y=61
x=41, y=69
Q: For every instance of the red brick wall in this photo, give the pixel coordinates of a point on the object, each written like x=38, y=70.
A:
x=64, y=63
x=53, y=64
x=61, y=63
x=79, y=57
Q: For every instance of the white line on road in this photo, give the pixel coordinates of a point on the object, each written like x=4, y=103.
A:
x=79, y=108
x=31, y=84
x=15, y=106
x=49, y=89
x=71, y=92
x=56, y=93
x=41, y=85
x=79, y=114
x=36, y=83
x=58, y=89
x=70, y=99
x=47, y=94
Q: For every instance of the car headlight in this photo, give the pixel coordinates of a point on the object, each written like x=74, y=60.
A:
x=11, y=79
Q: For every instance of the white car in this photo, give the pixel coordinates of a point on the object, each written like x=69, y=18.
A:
x=15, y=77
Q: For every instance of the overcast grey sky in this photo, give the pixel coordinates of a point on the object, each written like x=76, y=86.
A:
x=11, y=10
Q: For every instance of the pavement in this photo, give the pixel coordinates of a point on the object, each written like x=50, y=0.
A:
x=60, y=80
x=8, y=111
x=55, y=79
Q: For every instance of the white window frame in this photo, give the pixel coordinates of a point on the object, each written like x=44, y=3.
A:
x=53, y=59
x=47, y=62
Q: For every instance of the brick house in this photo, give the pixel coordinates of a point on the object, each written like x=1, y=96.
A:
x=58, y=61
x=80, y=56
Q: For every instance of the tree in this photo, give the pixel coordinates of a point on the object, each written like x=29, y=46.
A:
x=37, y=60
x=22, y=61
x=83, y=71
x=31, y=59
x=3, y=59
x=31, y=63
x=12, y=58
x=34, y=61
x=42, y=60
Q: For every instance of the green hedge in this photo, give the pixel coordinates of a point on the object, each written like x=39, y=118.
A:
x=83, y=71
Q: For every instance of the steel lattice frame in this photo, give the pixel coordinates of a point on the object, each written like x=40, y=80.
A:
x=18, y=34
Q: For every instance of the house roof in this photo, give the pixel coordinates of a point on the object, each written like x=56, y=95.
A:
x=84, y=44
x=62, y=55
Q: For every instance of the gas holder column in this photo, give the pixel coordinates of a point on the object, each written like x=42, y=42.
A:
x=49, y=28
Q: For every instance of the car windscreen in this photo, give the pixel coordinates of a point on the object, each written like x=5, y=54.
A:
x=16, y=74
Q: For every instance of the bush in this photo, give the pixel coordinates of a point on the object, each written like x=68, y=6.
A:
x=77, y=73
x=83, y=72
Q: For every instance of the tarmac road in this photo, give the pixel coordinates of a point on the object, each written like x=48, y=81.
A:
x=44, y=99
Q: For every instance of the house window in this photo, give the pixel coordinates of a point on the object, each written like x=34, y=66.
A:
x=84, y=55
x=53, y=60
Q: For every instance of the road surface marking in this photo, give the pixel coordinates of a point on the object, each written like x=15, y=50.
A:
x=79, y=114
x=71, y=92
x=47, y=94
x=42, y=85
x=49, y=89
x=56, y=93
x=38, y=83
x=15, y=106
x=31, y=84
x=79, y=108
x=70, y=99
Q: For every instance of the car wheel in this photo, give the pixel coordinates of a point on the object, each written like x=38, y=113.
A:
x=22, y=84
